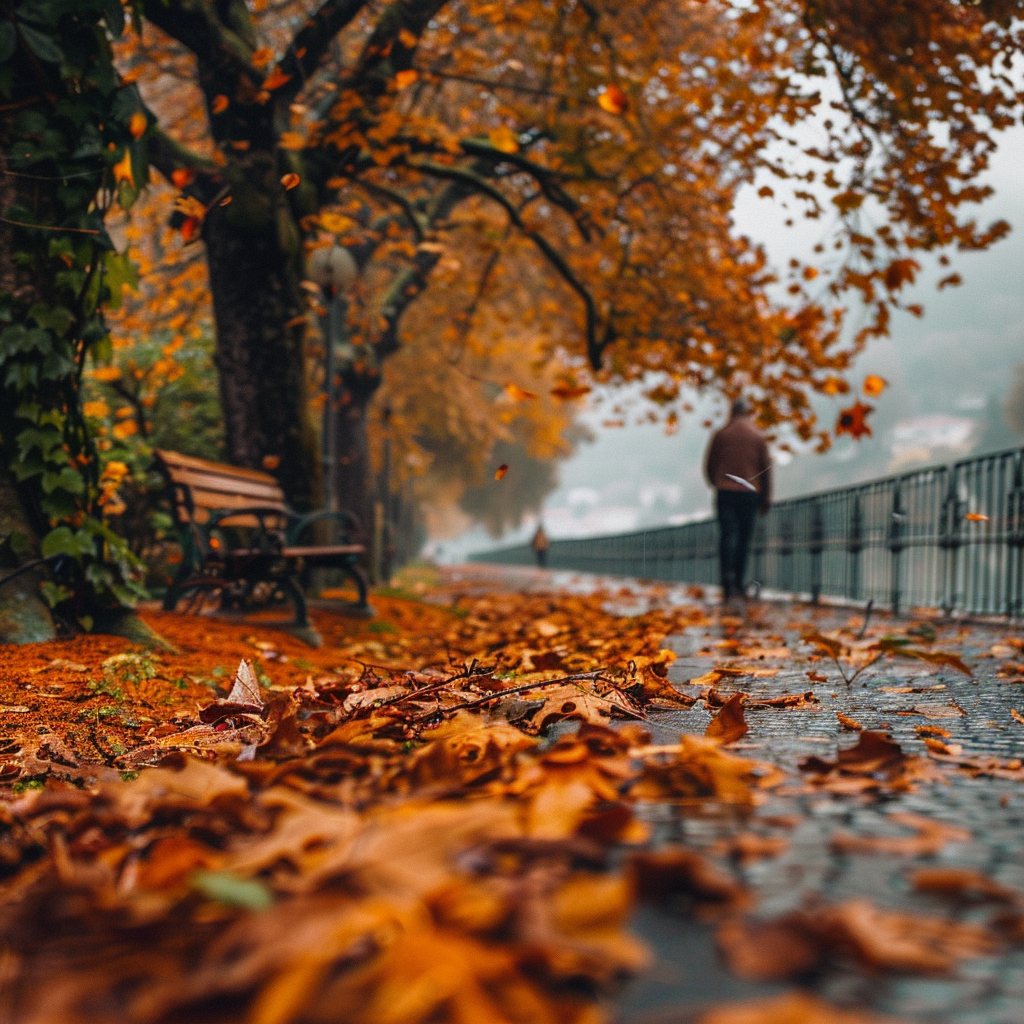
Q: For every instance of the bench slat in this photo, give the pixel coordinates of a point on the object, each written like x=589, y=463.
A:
x=246, y=490
x=172, y=460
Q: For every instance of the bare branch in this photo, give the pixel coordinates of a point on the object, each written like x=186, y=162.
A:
x=476, y=183
x=398, y=199
x=545, y=178
x=312, y=44
x=197, y=27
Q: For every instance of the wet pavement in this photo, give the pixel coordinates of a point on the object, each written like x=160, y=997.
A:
x=977, y=714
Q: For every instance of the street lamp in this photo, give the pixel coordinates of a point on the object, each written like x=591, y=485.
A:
x=333, y=269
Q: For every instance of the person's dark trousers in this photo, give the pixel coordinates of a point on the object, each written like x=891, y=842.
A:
x=542, y=559
x=737, y=514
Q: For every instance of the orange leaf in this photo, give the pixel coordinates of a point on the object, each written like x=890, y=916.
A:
x=190, y=228
x=976, y=517
x=262, y=57
x=290, y=180
x=566, y=392
x=874, y=385
x=276, y=79
x=406, y=77
x=835, y=386
x=500, y=472
x=106, y=373
x=137, y=124
x=226, y=201
x=518, y=394
x=182, y=176
x=613, y=99
x=123, y=169
x=270, y=462
x=408, y=39
x=219, y=104
x=852, y=421
x=292, y=140
x=504, y=140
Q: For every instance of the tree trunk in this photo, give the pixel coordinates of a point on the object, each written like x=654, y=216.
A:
x=352, y=476
x=24, y=617
x=260, y=354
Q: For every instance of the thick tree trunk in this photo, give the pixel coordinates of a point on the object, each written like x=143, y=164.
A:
x=260, y=354
x=24, y=617
x=352, y=472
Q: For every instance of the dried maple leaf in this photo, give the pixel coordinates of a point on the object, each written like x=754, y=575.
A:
x=729, y=724
x=791, y=1008
x=931, y=838
x=963, y=883
x=853, y=421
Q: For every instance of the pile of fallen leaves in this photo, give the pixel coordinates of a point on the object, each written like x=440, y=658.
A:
x=433, y=818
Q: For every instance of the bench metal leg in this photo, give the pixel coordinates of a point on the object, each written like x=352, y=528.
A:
x=301, y=627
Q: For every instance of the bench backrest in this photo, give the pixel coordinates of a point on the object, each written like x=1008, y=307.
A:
x=199, y=487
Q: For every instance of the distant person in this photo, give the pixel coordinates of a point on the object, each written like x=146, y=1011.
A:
x=540, y=545
x=739, y=468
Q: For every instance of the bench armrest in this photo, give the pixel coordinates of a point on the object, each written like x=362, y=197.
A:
x=268, y=538
x=350, y=525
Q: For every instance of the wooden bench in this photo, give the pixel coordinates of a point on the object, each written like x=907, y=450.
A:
x=240, y=538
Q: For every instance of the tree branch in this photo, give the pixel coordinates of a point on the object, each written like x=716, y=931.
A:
x=595, y=346
x=399, y=200
x=312, y=43
x=195, y=25
x=545, y=178
x=168, y=155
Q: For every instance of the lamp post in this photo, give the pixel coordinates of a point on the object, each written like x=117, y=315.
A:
x=333, y=269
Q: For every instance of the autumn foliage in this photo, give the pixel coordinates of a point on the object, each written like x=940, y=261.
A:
x=589, y=158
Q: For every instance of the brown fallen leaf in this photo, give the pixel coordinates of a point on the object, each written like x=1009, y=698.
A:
x=661, y=876
x=931, y=837
x=849, y=723
x=790, y=1008
x=1016, y=716
x=729, y=724
x=963, y=883
x=761, y=951
x=903, y=942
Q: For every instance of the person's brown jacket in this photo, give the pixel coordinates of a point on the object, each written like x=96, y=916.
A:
x=740, y=449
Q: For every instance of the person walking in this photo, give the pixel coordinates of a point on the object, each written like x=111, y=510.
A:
x=739, y=468
x=540, y=545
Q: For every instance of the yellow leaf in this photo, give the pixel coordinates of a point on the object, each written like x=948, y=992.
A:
x=106, y=373
x=123, y=169
x=874, y=385
x=504, y=140
x=518, y=394
x=292, y=140
x=613, y=99
x=97, y=409
x=406, y=78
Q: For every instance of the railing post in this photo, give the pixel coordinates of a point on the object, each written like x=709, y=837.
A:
x=854, y=546
x=816, y=548
x=950, y=540
x=895, y=545
x=1015, y=540
x=786, y=552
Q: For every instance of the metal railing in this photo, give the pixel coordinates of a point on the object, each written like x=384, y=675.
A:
x=946, y=537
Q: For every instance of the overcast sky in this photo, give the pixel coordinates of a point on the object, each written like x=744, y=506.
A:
x=947, y=365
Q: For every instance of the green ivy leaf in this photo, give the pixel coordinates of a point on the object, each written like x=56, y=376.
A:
x=8, y=41
x=42, y=45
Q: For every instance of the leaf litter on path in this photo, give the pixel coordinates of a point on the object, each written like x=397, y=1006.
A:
x=385, y=829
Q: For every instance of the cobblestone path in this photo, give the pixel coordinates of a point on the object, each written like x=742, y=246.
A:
x=975, y=711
